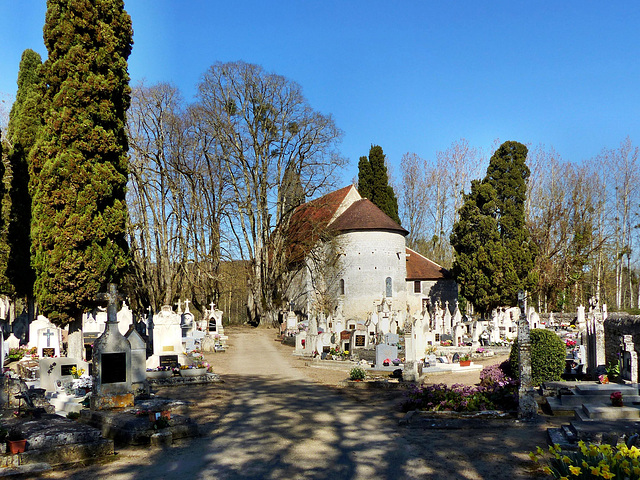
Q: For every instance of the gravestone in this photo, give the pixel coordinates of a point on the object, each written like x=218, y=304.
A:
x=138, y=360
x=167, y=334
x=53, y=370
x=111, y=362
x=392, y=339
x=292, y=321
x=48, y=342
x=39, y=323
x=125, y=318
x=384, y=352
x=13, y=342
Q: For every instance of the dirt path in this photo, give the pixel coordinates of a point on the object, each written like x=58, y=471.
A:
x=274, y=418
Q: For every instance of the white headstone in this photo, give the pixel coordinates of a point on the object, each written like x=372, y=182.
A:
x=13, y=342
x=125, y=318
x=48, y=342
x=167, y=334
x=40, y=322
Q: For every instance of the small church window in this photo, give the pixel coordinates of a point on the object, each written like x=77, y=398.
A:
x=417, y=286
x=389, y=289
x=342, y=286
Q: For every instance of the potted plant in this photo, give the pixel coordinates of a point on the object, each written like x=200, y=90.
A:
x=396, y=361
x=159, y=372
x=616, y=399
x=16, y=443
x=194, y=370
x=357, y=374
x=465, y=360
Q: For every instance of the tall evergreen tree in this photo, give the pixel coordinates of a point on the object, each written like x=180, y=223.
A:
x=373, y=182
x=79, y=165
x=493, y=252
x=24, y=124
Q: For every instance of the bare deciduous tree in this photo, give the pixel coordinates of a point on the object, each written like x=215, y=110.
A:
x=265, y=132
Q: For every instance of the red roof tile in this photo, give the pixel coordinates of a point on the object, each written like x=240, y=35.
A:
x=309, y=222
x=364, y=215
x=421, y=268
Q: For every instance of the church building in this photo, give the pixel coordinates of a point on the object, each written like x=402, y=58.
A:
x=346, y=253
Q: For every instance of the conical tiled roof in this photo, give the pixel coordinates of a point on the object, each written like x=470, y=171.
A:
x=364, y=215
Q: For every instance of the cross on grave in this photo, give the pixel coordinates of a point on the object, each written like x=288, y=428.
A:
x=48, y=334
x=179, y=305
x=212, y=305
x=112, y=298
x=186, y=306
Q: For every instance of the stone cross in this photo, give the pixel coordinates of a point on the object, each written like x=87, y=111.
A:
x=527, y=406
x=179, y=305
x=112, y=298
x=48, y=334
x=213, y=306
x=186, y=306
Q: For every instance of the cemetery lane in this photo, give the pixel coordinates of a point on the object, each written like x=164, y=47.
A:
x=272, y=419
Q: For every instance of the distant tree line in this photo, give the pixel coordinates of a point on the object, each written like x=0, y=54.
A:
x=581, y=217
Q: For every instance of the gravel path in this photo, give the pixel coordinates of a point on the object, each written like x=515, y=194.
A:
x=277, y=418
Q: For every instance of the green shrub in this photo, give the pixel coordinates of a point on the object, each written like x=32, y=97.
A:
x=357, y=373
x=73, y=415
x=548, y=353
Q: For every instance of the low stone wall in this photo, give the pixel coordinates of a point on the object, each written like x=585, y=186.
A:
x=615, y=326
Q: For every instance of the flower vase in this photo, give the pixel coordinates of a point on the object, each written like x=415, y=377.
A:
x=16, y=446
x=465, y=363
x=617, y=403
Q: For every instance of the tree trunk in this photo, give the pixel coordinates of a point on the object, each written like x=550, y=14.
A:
x=75, y=346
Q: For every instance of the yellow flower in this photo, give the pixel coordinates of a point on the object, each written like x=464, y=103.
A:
x=636, y=470
x=585, y=464
x=607, y=475
x=574, y=470
x=595, y=471
x=547, y=470
x=533, y=457
x=564, y=478
x=539, y=451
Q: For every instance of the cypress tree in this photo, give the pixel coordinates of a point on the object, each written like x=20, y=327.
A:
x=365, y=178
x=493, y=252
x=373, y=182
x=24, y=124
x=79, y=165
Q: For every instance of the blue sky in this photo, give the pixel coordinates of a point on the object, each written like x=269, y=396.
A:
x=410, y=76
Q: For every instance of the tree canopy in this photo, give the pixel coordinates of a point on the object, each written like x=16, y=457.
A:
x=373, y=182
x=79, y=165
x=494, y=255
x=24, y=125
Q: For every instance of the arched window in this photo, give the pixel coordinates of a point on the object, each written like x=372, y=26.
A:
x=389, y=290
x=342, y=286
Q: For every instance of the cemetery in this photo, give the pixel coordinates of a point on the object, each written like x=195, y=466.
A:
x=66, y=410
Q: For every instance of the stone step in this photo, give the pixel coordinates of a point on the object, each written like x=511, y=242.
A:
x=578, y=400
x=559, y=408
x=600, y=412
x=606, y=389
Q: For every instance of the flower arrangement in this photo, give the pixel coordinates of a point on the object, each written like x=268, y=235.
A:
x=570, y=343
x=616, y=399
x=446, y=343
x=357, y=373
x=590, y=461
x=77, y=372
x=604, y=379
x=462, y=398
x=481, y=350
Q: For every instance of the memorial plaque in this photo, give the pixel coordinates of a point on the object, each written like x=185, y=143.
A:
x=326, y=349
x=360, y=340
x=169, y=361
x=66, y=369
x=114, y=367
x=345, y=335
x=48, y=352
